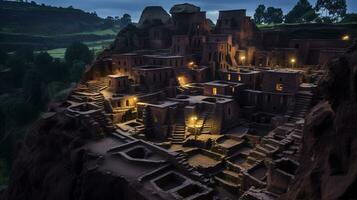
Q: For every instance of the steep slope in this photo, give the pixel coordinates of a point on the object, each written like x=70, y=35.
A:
x=329, y=155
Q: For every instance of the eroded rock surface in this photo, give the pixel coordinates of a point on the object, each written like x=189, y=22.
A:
x=329, y=156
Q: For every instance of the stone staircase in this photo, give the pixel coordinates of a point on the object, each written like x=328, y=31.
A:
x=229, y=179
x=98, y=100
x=182, y=161
x=202, y=122
x=301, y=107
x=178, y=133
x=98, y=85
x=104, y=121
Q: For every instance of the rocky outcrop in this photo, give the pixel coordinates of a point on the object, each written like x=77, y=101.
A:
x=153, y=14
x=184, y=8
x=329, y=155
x=52, y=164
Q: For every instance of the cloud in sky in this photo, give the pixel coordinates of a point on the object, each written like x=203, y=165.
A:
x=134, y=7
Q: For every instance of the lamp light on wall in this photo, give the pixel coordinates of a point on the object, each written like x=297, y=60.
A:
x=242, y=59
x=181, y=80
x=191, y=64
x=292, y=62
x=345, y=37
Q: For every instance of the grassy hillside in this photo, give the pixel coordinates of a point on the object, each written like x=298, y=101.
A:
x=313, y=30
x=42, y=27
x=17, y=17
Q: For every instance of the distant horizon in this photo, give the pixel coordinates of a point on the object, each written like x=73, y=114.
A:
x=105, y=8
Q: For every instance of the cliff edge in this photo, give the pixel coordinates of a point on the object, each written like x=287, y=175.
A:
x=329, y=155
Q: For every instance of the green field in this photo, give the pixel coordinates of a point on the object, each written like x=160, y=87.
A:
x=96, y=46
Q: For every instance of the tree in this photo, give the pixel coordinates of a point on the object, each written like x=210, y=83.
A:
x=33, y=88
x=3, y=57
x=78, y=51
x=77, y=70
x=18, y=66
x=331, y=10
x=302, y=12
x=259, y=14
x=124, y=20
x=348, y=18
x=273, y=15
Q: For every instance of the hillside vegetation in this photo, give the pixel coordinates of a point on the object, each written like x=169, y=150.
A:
x=42, y=27
x=18, y=17
x=312, y=30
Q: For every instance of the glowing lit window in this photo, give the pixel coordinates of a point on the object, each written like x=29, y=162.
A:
x=239, y=78
x=279, y=87
x=214, y=91
x=229, y=77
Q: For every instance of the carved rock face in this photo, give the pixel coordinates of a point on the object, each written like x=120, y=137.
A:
x=184, y=8
x=329, y=156
x=152, y=14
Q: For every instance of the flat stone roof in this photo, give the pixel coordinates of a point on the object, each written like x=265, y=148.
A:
x=159, y=104
x=201, y=99
x=223, y=83
x=126, y=54
x=285, y=70
x=116, y=76
x=244, y=72
x=151, y=67
x=163, y=56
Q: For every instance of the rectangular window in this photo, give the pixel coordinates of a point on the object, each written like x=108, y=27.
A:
x=214, y=91
x=229, y=77
x=279, y=87
x=239, y=77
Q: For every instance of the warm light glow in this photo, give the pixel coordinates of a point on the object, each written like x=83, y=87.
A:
x=214, y=91
x=193, y=118
x=345, y=37
x=279, y=87
x=135, y=98
x=293, y=60
x=181, y=80
x=229, y=77
x=242, y=58
x=191, y=63
x=239, y=77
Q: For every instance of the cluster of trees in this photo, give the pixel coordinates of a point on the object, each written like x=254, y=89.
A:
x=34, y=80
x=119, y=21
x=325, y=11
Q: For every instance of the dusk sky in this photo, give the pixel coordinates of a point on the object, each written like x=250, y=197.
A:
x=134, y=7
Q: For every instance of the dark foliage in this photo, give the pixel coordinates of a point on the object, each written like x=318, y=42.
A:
x=271, y=15
x=34, y=80
x=331, y=10
x=78, y=51
x=21, y=17
x=302, y=12
x=259, y=14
